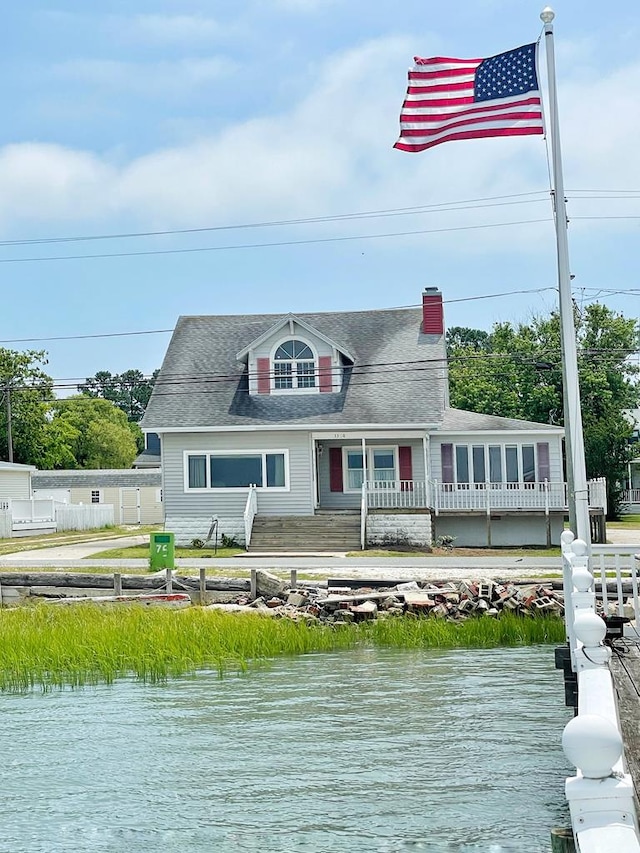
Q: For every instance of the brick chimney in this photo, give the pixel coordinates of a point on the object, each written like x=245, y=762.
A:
x=432, y=312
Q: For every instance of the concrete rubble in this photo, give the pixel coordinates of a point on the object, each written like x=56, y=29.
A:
x=454, y=600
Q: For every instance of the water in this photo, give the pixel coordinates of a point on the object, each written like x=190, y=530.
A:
x=370, y=750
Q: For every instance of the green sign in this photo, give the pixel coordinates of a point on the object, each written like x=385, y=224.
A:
x=162, y=551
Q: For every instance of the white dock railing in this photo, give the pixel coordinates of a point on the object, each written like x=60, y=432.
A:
x=601, y=794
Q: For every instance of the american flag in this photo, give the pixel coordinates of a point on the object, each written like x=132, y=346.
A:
x=471, y=98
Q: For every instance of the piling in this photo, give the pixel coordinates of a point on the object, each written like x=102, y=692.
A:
x=562, y=840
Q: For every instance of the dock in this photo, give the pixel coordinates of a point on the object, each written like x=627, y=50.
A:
x=601, y=662
x=625, y=669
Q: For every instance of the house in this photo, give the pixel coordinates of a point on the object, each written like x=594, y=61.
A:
x=333, y=430
x=150, y=456
x=136, y=495
x=631, y=486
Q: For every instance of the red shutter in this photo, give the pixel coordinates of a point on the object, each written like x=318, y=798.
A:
x=446, y=457
x=335, y=469
x=406, y=468
x=544, y=467
x=264, y=384
x=324, y=373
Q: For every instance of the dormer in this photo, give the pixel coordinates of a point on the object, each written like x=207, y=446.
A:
x=292, y=357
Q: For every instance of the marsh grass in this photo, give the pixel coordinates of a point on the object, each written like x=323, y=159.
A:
x=46, y=647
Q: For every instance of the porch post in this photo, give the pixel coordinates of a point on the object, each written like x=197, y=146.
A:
x=425, y=454
x=314, y=472
x=364, y=461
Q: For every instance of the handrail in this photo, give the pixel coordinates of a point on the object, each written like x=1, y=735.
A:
x=600, y=795
x=250, y=512
x=363, y=517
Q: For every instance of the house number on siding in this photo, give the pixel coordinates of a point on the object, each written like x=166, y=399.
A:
x=339, y=435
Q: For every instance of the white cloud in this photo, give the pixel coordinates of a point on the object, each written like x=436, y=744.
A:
x=170, y=29
x=304, y=6
x=146, y=78
x=331, y=153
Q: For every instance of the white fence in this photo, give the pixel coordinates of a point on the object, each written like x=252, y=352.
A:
x=20, y=517
x=83, y=516
x=601, y=794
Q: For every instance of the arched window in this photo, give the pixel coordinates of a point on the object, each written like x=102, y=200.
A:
x=294, y=366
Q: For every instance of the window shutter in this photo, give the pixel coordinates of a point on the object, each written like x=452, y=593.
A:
x=406, y=468
x=264, y=383
x=324, y=373
x=335, y=469
x=544, y=467
x=446, y=458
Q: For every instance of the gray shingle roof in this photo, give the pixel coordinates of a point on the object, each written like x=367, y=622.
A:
x=96, y=479
x=459, y=420
x=201, y=384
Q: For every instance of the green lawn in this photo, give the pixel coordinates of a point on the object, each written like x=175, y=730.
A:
x=70, y=537
x=461, y=552
x=626, y=522
x=141, y=552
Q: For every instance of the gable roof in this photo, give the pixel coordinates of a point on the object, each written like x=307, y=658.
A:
x=280, y=324
x=201, y=383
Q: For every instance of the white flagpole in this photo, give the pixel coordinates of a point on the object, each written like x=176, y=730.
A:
x=572, y=414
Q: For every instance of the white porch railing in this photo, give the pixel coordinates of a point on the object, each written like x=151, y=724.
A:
x=420, y=494
x=601, y=794
x=250, y=510
x=630, y=496
x=489, y=496
x=397, y=494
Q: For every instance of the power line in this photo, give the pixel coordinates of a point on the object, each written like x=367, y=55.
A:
x=279, y=243
x=438, y=207
x=465, y=204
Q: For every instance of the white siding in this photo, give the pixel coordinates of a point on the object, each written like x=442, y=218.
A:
x=15, y=484
x=178, y=502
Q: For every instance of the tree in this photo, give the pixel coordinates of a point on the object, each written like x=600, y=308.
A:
x=130, y=391
x=25, y=390
x=517, y=372
x=97, y=432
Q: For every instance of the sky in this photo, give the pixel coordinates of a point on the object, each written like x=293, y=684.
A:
x=128, y=117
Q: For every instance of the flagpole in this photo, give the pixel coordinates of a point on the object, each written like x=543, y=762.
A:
x=578, y=489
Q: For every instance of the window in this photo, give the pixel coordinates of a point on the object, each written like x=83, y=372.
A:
x=528, y=464
x=236, y=470
x=294, y=366
x=495, y=463
x=95, y=496
x=479, y=464
x=381, y=468
x=355, y=470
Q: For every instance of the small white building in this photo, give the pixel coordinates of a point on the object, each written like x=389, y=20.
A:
x=15, y=482
x=136, y=495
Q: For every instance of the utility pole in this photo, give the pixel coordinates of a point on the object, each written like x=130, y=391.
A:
x=7, y=400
